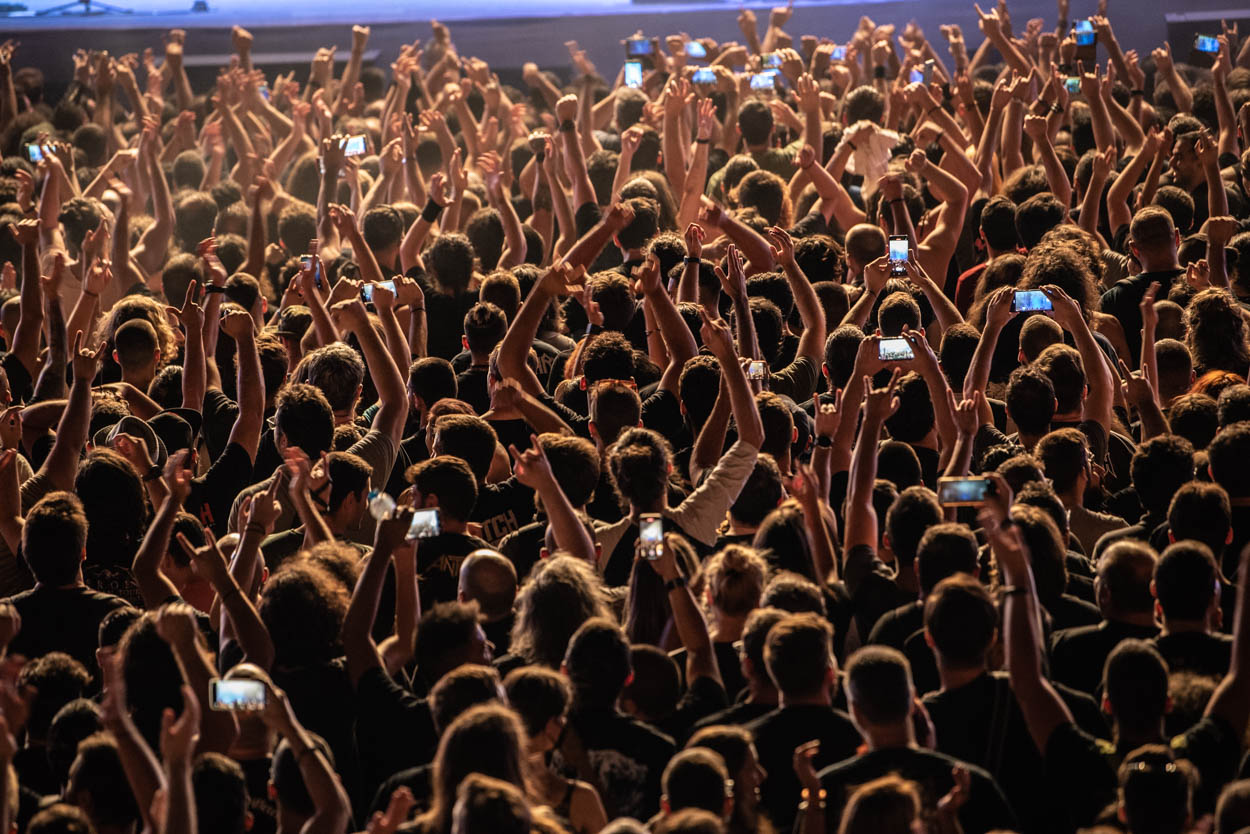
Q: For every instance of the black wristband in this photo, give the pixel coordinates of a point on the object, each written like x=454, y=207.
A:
x=894, y=201
x=540, y=157
x=878, y=72
x=824, y=441
x=567, y=126
x=1055, y=108
x=675, y=583
x=431, y=211
x=703, y=141
x=214, y=288
x=152, y=474
x=1136, y=93
x=689, y=260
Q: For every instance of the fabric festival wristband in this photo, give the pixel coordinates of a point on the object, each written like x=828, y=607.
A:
x=431, y=212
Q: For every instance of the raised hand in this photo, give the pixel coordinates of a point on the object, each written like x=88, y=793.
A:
x=86, y=363
x=179, y=736
x=717, y=337
x=694, y=241
x=782, y=245
x=881, y=403
x=531, y=467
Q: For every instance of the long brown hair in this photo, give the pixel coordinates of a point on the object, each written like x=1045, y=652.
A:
x=487, y=739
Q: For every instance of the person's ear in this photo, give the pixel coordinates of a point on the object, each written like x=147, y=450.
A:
x=264, y=305
x=665, y=808
x=1172, y=537
x=1228, y=537
x=824, y=370
x=1154, y=589
x=594, y=431
x=1106, y=705
x=272, y=791
x=464, y=342
x=928, y=640
x=794, y=435
x=248, y=821
x=156, y=357
x=115, y=359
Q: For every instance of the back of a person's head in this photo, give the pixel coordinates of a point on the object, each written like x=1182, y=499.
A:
x=793, y=593
x=912, y=514
x=696, y=778
x=221, y=793
x=450, y=480
x=73, y=723
x=1201, y=511
x=734, y=578
x=490, y=580
x=878, y=686
x=1038, y=333
x=484, y=327
x=998, y=224
x=467, y=437
x=60, y=818
x=560, y=595
x=136, y=345
x=538, y=695
x=1226, y=456
x=1156, y=791
x=897, y=312
x=889, y=805
x=1124, y=574
x=689, y=821
x=1232, y=811
x=53, y=680
x=1064, y=455
x=961, y=619
x=450, y=260
x=639, y=462
x=97, y=779
x=1135, y=682
x=755, y=121
x=1194, y=417
x=54, y=539
x=608, y=355
x=1038, y=215
x=959, y=345
x=863, y=103
x=1186, y=580
x=1030, y=399
x=840, y=350
x=1019, y=470
x=898, y=463
x=654, y=686
x=598, y=662
x=762, y=491
x=1152, y=229
x=945, y=549
x=614, y=407
x=303, y=606
x=778, y=424
x=799, y=654
x=915, y=417
x=490, y=806
x=1061, y=263
x=463, y=687
x=1161, y=466
x=1233, y=405
x=303, y=417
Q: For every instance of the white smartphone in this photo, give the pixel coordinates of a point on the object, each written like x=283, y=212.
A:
x=651, y=535
x=425, y=524
x=237, y=694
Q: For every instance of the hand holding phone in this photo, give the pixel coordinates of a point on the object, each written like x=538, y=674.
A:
x=426, y=524
x=1031, y=301
x=899, y=255
x=237, y=694
x=896, y=349
x=964, y=492
x=651, y=535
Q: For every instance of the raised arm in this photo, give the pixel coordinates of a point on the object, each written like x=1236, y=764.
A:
x=860, y=525
x=677, y=336
x=25, y=344
x=245, y=622
x=389, y=382
x=1097, y=371
x=357, y=631
x=533, y=470
x=574, y=155
x=716, y=337
x=250, y=421
x=1044, y=711
x=700, y=655
x=812, y=342
x=154, y=585
x=179, y=741
x=61, y=465
x=1056, y=177
x=1231, y=699
x=938, y=246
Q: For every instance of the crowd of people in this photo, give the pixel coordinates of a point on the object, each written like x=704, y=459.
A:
x=786, y=435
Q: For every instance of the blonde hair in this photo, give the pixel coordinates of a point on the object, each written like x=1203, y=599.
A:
x=735, y=579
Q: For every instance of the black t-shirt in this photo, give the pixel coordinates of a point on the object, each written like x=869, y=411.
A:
x=1123, y=301
x=872, y=587
x=1196, y=652
x=471, y=387
x=739, y=715
x=778, y=733
x=62, y=620
x=703, y=698
x=894, y=627
x=412, y=449
x=985, y=810
x=218, y=415
x=981, y=723
x=727, y=660
x=322, y=697
x=394, y=729
x=1077, y=655
x=503, y=508
x=444, y=316
x=213, y=493
x=628, y=756
x=523, y=548
x=438, y=565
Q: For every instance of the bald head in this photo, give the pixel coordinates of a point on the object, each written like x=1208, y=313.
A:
x=864, y=244
x=489, y=579
x=1124, y=575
